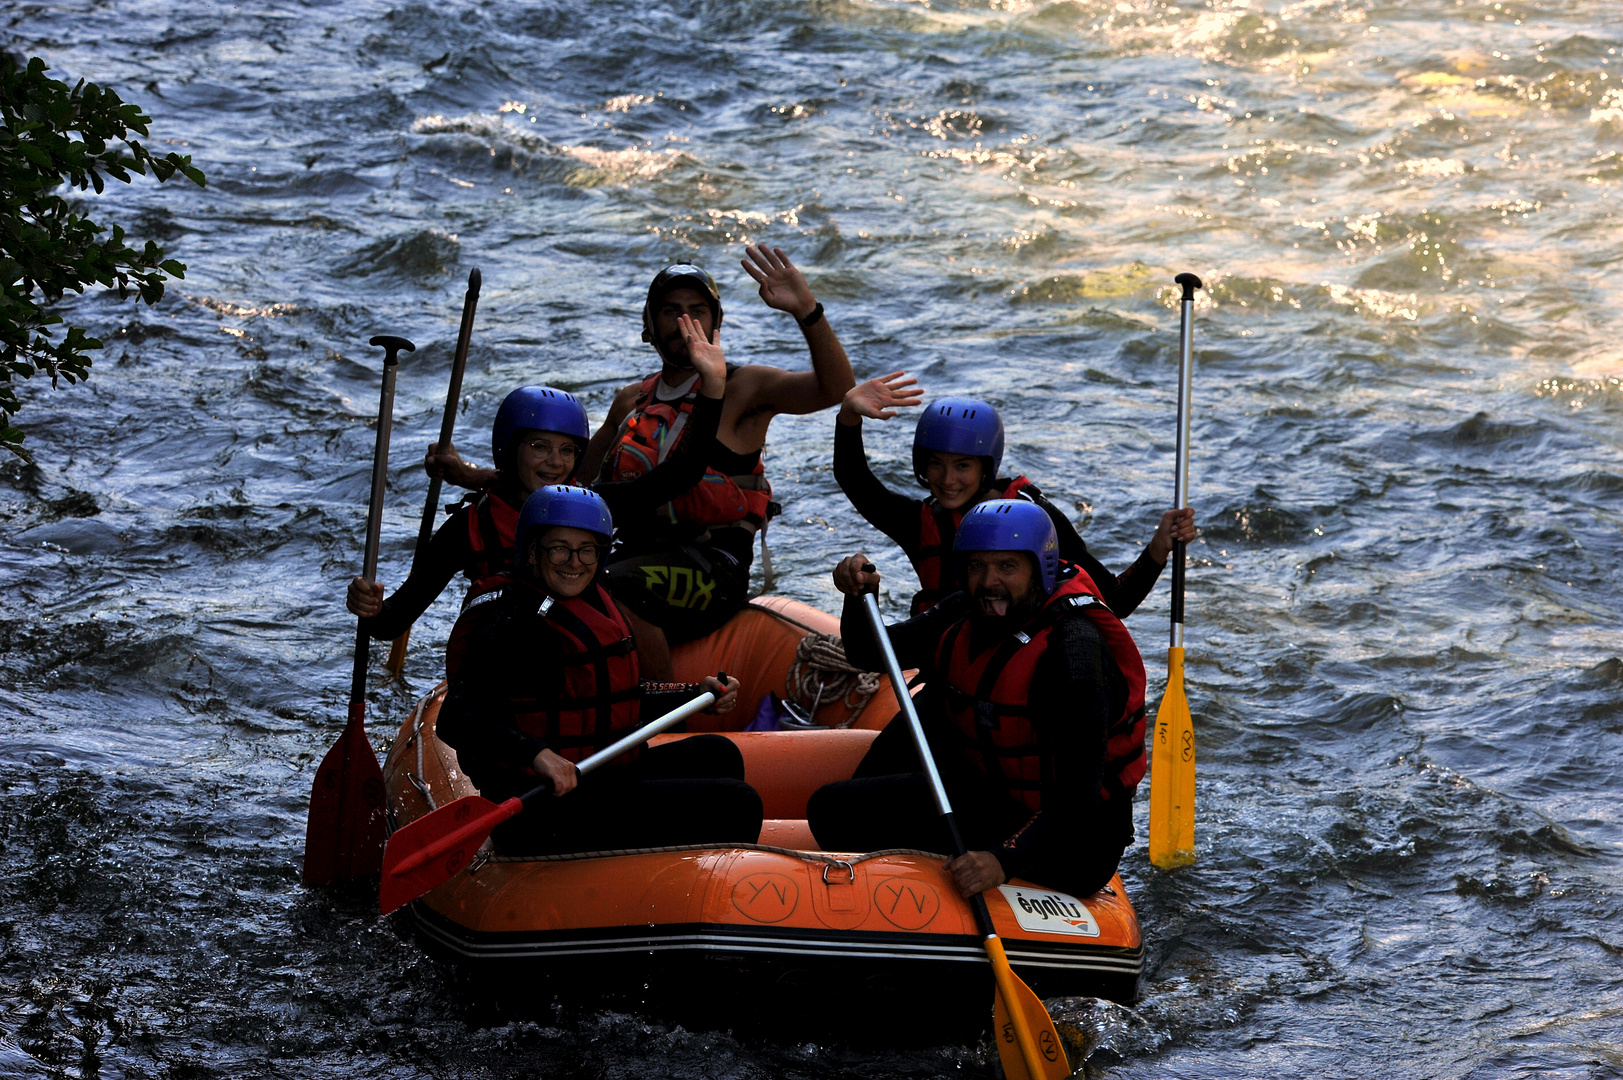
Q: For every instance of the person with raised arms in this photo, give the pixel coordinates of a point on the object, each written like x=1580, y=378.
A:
x=538, y=438
x=544, y=671
x=1033, y=707
x=686, y=567
x=957, y=452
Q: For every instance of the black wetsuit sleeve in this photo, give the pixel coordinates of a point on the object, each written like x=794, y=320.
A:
x=449, y=552
x=630, y=500
x=1122, y=594
x=476, y=717
x=914, y=640
x=1076, y=691
x=897, y=516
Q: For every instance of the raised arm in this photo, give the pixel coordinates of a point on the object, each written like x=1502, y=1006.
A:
x=773, y=390
x=893, y=514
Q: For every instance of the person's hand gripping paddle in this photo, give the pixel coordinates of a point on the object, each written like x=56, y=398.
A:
x=425, y=532
x=1172, y=764
x=1027, y=1043
x=343, y=835
x=439, y=845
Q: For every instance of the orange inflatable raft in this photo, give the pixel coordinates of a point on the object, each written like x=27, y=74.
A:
x=781, y=912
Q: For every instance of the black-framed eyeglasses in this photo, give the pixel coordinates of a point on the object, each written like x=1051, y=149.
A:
x=560, y=554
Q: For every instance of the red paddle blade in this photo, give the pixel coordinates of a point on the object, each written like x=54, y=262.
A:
x=436, y=847
x=343, y=836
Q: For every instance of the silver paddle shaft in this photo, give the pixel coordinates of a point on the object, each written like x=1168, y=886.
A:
x=647, y=731
x=1180, y=496
x=905, y=699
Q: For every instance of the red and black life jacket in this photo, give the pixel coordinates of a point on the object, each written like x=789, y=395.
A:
x=599, y=697
x=492, y=524
x=933, y=561
x=987, y=696
x=649, y=434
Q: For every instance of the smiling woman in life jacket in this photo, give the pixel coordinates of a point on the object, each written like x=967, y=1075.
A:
x=957, y=451
x=685, y=567
x=544, y=671
x=1033, y=707
x=538, y=438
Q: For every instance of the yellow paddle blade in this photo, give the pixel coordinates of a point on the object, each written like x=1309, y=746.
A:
x=1172, y=774
x=397, y=653
x=1027, y=1044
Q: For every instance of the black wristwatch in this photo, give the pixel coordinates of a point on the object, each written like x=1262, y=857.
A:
x=811, y=320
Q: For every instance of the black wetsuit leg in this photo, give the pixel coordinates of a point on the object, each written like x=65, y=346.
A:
x=686, y=792
x=897, y=810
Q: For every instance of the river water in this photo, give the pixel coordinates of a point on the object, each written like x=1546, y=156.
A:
x=1404, y=660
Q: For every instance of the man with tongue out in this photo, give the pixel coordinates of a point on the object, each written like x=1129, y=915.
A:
x=1034, y=710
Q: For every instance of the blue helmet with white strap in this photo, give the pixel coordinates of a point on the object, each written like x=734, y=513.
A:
x=1012, y=525
x=536, y=408
x=559, y=505
x=957, y=425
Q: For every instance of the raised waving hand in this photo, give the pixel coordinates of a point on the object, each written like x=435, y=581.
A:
x=782, y=284
x=705, y=357
x=879, y=398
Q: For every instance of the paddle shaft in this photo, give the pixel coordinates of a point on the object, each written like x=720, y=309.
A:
x=453, y=397
x=511, y=807
x=1180, y=495
x=1002, y=973
x=374, y=509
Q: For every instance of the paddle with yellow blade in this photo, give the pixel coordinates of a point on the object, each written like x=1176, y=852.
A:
x=343, y=836
x=425, y=532
x=439, y=845
x=1172, y=764
x=1027, y=1043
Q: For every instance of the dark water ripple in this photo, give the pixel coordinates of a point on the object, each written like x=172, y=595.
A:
x=1404, y=656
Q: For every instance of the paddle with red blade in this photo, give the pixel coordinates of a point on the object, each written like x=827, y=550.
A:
x=438, y=846
x=343, y=836
x=425, y=532
x=1027, y=1044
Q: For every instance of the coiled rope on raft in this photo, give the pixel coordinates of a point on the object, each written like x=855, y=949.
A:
x=820, y=672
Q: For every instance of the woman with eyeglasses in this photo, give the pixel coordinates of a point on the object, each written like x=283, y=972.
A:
x=544, y=670
x=539, y=437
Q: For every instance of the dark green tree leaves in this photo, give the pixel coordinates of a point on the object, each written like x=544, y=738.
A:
x=54, y=136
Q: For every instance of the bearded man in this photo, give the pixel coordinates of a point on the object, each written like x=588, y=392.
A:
x=1033, y=707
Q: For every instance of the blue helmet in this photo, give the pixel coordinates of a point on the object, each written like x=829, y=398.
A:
x=1012, y=525
x=959, y=425
x=536, y=408
x=561, y=505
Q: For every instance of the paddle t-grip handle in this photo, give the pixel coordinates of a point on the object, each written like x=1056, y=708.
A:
x=392, y=347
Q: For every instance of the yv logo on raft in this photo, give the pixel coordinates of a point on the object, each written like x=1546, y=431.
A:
x=695, y=588
x=1049, y=912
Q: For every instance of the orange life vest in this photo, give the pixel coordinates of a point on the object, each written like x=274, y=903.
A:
x=987, y=696
x=647, y=437
x=599, y=697
x=933, y=561
x=492, y=525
